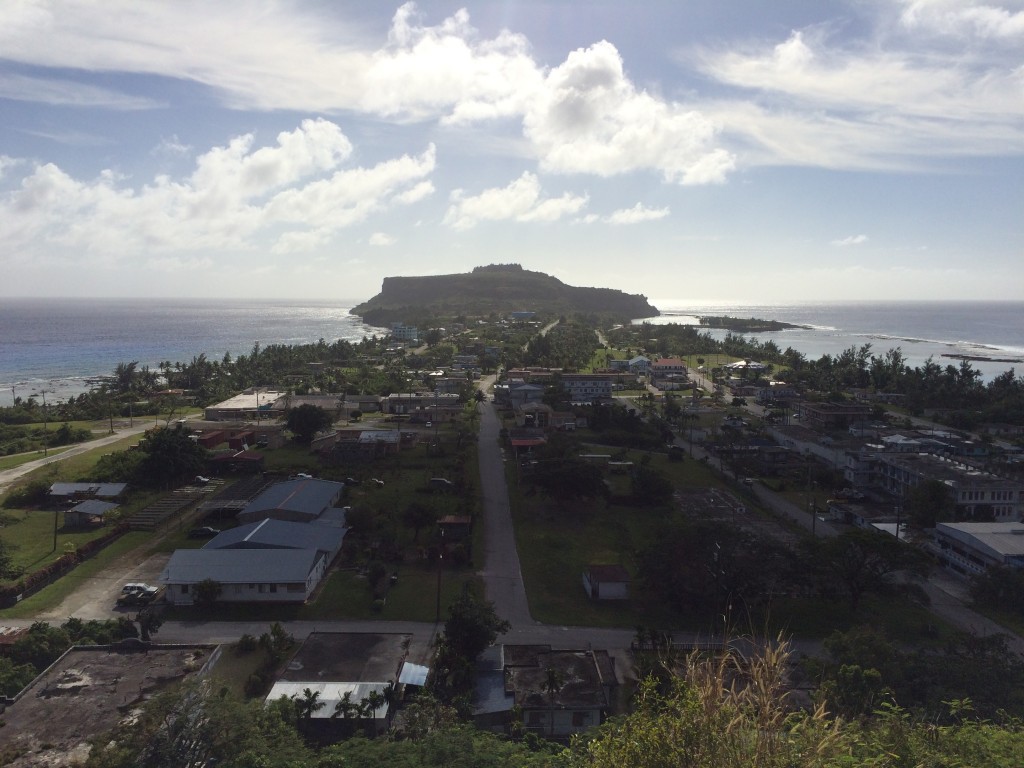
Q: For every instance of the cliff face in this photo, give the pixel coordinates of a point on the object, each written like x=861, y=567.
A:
x=497, y=288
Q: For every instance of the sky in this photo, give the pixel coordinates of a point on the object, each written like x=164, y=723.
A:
x=712, y=150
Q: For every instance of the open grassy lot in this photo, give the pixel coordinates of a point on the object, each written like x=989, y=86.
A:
x=17, y=459
x=52, y=595
x=556, y=544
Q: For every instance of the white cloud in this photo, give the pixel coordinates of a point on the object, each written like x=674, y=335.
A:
x=172, y=147
x=963, y=17
x=290, y=196
x=589, y=118
x=837, y=104
x=8, y=162
x=382, y=239
x=67, y=93
x=637, y=214
x=519, y=201
x=851, y=240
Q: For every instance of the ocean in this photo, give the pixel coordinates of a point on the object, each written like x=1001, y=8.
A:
x=992, y=332
x=58, y=345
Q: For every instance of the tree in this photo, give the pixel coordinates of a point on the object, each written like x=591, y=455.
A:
x=552, y=685
x=308, y=704
x=418, y=515
x=650, y=487
x=7, y=568
x=860, y=562
x=472, y=625
x=149, y=622
x=306, y=420
x=170, y=456
x=929, y=503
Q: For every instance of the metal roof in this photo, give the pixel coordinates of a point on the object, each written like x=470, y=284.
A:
x=96, y=489
x=413, y=674
x=93, y=507
x=306, y=496
x=279, y=534
x=240, y=566
x=330, y=695
x=1000, y=540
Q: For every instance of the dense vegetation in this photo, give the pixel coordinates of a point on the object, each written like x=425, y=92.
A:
x=954, y=394
x=719, y=712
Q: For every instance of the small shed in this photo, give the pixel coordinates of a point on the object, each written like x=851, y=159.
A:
x=455, y=528
x=606, y=582
x=91, y=513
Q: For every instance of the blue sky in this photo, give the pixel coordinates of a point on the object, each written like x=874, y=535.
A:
x=708, y=149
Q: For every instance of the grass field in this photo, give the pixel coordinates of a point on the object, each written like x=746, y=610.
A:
x=52, y=596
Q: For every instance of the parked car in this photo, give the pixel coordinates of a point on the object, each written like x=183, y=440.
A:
x=352, y=481
x=203, y=532
x=202, y=480
x=137, y=594
x=441, y=484
x=136, y=586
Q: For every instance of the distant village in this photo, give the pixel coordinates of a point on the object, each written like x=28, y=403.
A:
x=381, y=482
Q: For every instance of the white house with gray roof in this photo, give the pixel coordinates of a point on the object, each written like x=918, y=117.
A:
x=268, y=561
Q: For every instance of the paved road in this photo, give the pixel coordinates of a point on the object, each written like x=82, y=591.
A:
x=8, y=476
x=503, y=578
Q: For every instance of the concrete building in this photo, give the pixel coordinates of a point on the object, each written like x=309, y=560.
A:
x=252, y=404
x=970, y=548
x=976, y=494
x=588, y=387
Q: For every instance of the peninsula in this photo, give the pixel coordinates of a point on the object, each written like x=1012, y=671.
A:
x=500, y=288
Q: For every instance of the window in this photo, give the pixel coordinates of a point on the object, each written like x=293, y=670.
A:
x=580, y=719
x=184, y=589
x=273, y=587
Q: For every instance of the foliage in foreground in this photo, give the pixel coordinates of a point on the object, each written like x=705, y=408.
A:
x=724, y=712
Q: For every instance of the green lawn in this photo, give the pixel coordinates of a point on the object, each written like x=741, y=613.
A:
x=51, y=596
x=16, y=460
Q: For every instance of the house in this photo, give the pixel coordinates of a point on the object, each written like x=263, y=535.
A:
x=408, y=402
x=970, y=548
x=407, y=334
x=667, y=366
x=517, y=677
x=347, y=669
x=266, y=561
x=300, y=500
x=639, y=364
x=253, y=404
x=832, y=415
x=455, y=528
x=533, y=415
x=245, y=575
x=73, y=492
x=606, y=582
x=88, y=513
x=587, y=388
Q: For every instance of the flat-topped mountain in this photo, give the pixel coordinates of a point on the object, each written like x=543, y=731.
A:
x=498, y=288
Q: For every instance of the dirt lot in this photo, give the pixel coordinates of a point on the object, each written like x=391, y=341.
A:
x=85, y=694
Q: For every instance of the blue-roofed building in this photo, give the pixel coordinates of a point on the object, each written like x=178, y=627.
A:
x=281, y=534
x=302, y=500
x=91, y=512
x=280, y=556
x=245, y=575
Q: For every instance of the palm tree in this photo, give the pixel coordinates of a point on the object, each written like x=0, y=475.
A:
x=310, y=703
x=552, y=684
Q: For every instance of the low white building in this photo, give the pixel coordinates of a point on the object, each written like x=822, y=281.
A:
x=970, y=548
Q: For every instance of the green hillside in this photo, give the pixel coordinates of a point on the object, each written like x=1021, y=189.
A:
x=500, y=288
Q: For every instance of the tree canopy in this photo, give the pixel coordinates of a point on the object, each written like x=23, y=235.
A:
x=306, y=420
